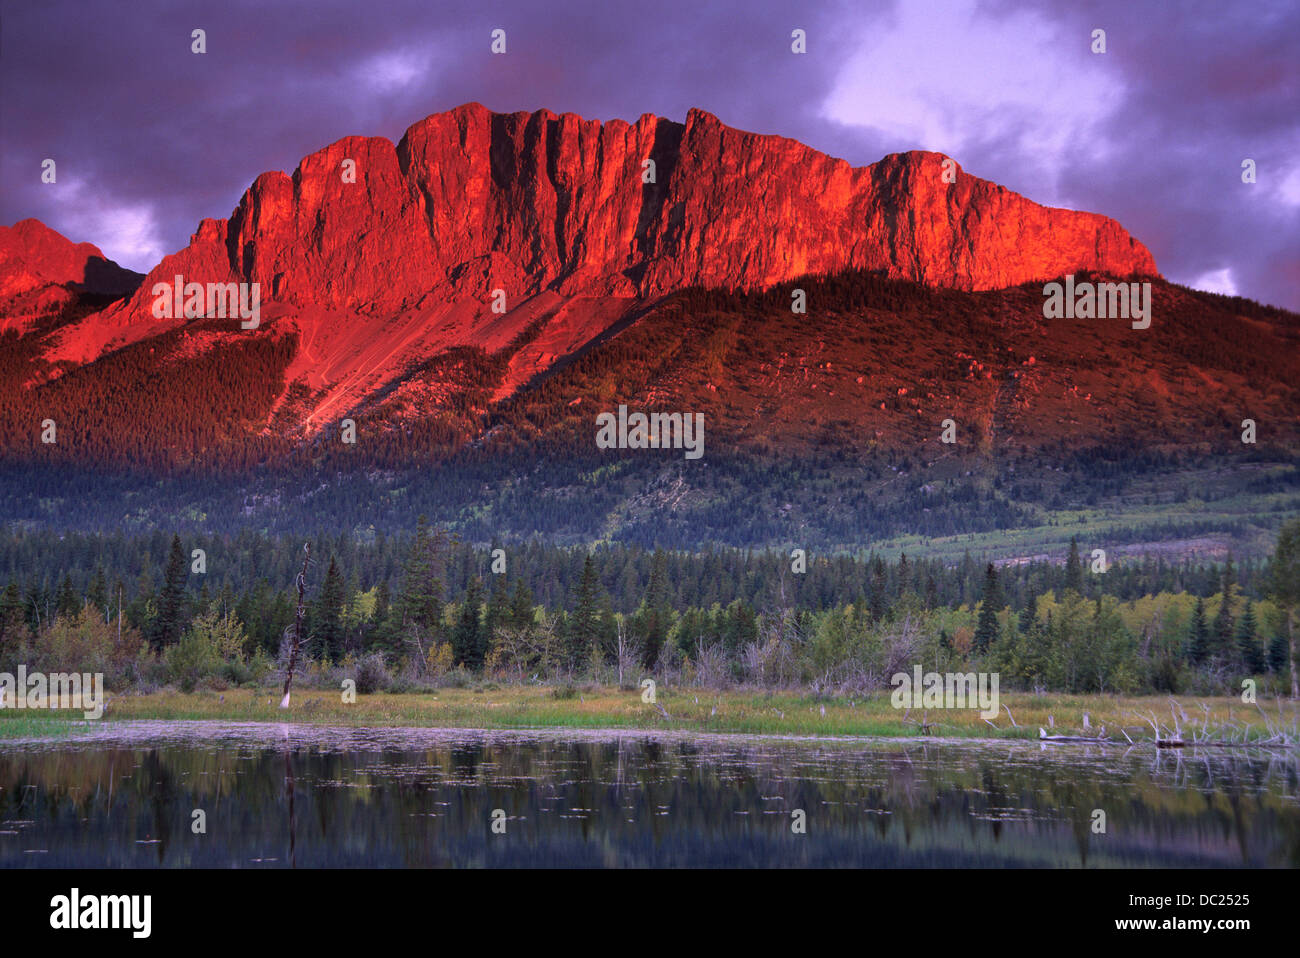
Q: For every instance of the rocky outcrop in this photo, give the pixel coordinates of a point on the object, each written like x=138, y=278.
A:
x=383, y=256
x=471, y=201
x=41, y=271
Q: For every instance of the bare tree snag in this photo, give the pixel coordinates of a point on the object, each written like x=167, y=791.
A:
x=297, y=626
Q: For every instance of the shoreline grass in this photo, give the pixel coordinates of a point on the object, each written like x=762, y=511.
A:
x=705, y=711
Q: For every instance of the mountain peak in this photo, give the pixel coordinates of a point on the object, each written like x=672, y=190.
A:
x=42, y=270
x=557, y=201
x=468, y=202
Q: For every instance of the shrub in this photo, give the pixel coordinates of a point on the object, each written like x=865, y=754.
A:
x=372, y=674
x=211, y=652
x=191, y=660
x=458, y=678
x=438, y=660
x=86, y=643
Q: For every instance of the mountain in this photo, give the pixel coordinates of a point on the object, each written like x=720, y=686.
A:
x=43, y=272
x=924, y=298
x=401, y=264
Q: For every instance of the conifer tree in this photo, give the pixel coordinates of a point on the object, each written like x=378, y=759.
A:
x=1074, y=568
x=498, y=608
x=1249, y=652
x=13, y=622
x=468, y=644
x=422, y=588
x=1028, y=615
x=328, y=625
x=876, y=598
x=66, y=603
x=1279, y=651
x=986, y=631
x=170, y=623
x=654, y=616
x=98, y=592
x=931, y=592
x=583, y=624
x=381, y=632
x=521, y=606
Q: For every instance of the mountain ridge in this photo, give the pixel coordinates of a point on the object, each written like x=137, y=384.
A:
x=386, y=272
x=42, y=271
x=822, y=427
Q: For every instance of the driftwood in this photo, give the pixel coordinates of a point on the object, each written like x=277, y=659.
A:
x=925, y=726
x=1044, y=737
x=297, y=627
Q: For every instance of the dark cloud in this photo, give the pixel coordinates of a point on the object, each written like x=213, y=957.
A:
x=150, y=138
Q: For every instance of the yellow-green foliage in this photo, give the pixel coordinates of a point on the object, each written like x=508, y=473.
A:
x=213, y=649
x=86, y=643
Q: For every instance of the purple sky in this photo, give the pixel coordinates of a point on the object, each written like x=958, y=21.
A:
x=149, y=138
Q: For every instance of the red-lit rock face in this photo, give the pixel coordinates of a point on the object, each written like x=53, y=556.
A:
x=33, y=257
x=471, y=201
x=556, y=211
x=42, y=272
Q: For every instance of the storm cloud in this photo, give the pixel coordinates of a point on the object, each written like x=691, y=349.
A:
x=150, y=138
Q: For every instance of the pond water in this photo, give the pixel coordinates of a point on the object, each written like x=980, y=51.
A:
x=277, y=796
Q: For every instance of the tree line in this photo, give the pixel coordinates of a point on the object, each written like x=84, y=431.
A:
x=427, y=605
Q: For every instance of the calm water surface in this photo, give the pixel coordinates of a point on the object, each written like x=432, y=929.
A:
x=278, y=796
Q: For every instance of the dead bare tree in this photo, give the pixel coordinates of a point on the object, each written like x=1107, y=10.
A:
x=419, y=658
x=297, y=626
x=627, y=653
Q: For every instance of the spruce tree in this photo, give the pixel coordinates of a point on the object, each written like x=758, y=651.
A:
x=328, y=625
x=607, y=627
x=66, y=604
x=876, y=598
x=1028, y=615
x=1279, y=651
x=382, y=634
x=654, y=616
x=468, y=646
x=986, y=631
x=498, y=608
x=13, y=623
x=1074, y=568
x=422, y=589
x=467, y=638
x=1249, y=651
x=170, y=622
x=931, y=592
x=583, y=624
x=98, y=592
x=521, y=606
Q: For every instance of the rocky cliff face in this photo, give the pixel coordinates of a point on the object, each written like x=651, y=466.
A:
x=41, y=271
x=471, y=201
x=384, y=256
